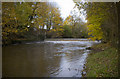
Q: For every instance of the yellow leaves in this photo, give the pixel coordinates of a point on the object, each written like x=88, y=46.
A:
x=69, y=17
x=26, y=29
x=96, y=17
x=68, y=20
x=61, y=29
x=89, y=33
x=61, y=26
x=56, y=32
x=94, y=28
x=92, y=38
x=16, y=31
x=66, y=23
x=53, y=30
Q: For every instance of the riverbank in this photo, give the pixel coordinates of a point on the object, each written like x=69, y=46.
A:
x=67, y=39
x=102, y=62
x=20, y=41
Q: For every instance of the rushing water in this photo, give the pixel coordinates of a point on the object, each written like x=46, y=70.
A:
x=46, y=59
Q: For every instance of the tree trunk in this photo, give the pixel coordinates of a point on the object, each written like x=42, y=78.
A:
x=118, y=13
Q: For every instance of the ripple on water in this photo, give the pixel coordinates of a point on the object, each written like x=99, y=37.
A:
x=48, y=58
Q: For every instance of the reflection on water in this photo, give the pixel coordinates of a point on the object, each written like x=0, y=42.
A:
x=45, y=59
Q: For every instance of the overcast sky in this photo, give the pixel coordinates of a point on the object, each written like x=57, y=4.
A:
x=66, y=6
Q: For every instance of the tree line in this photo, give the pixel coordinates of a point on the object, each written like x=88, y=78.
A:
x=37, y=21
x=40, y=20
x=102, y=20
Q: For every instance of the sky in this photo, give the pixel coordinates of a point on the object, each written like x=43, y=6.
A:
x=66, y=6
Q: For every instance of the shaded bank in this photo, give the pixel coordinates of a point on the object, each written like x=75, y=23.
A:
x=102, y=62
x=19, y=41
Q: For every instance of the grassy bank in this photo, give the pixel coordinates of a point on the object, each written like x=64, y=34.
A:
x=102, y=62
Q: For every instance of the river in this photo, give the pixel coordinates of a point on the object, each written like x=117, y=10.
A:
x=51, y=58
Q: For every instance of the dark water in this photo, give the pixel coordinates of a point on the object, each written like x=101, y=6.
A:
x=45, y=59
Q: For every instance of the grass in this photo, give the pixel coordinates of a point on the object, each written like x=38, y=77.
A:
x=102, y=62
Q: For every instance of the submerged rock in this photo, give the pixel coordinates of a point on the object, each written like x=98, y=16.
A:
x=88, y=48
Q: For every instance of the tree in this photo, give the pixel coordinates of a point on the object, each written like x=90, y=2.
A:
x=102, y=20
x=77, y=27
x=15, y=20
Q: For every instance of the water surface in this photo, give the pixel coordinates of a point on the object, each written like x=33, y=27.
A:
x=51, y=58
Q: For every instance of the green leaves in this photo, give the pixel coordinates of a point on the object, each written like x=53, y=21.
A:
x=23, y=11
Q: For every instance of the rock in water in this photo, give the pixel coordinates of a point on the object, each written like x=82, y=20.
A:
x=88, y=48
